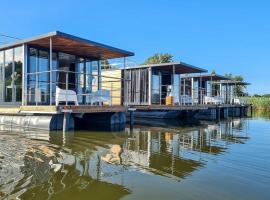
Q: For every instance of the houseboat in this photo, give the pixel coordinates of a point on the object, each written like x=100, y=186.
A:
x=54, y=81
x=169, y=90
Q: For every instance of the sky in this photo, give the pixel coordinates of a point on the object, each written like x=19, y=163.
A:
x=228, y=36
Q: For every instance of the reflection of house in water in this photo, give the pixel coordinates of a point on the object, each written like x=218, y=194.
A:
x=95, y=164
x=40, y=170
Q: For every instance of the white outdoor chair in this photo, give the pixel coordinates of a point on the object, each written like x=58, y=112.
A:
x=213, y=100
x=236, y=101
x=99, y=97
x=65, y=96
x=185, y=99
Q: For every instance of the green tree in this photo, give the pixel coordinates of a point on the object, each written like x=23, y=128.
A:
x=159, y=58
x=239, y=90
x=105, y=64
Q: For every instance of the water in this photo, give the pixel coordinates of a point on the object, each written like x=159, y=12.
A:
x=225, y=160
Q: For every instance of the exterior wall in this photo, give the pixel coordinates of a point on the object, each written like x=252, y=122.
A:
x=111, y=80
x=137, y=86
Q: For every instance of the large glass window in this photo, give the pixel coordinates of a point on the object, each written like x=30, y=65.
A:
x=54, y=75
x=176, y=88
x=2, y=74
x=80, y=80
x=156, y=84
x=95, y=76
x=43, y=89
x=8, y=75
x=38, y=78
x=18, y=59
x=32, y=76
x=67, y=71
x=89, y=77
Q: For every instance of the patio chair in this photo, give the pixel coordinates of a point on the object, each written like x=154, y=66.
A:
x=65, y=96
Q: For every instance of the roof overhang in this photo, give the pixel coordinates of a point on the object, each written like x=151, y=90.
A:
x=72, y=45
x=209, y=77
x=169, y=68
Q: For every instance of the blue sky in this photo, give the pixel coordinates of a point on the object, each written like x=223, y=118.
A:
x=228, y=36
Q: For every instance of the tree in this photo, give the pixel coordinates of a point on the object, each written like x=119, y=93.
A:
x=159, y=58
x=105, y=64
x=257, y=95
x=213, y=72
x=239, y=90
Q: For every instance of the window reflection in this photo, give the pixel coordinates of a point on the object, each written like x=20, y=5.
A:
x=155, y=89
x=42, y=91
x=18, y=73
x=68, y=72
x=2, y=76
x=8, y=74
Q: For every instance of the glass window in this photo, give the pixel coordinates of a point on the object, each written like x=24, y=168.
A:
x=80, y=80
x=89, y=77
x=95, y=76
x=31, y=78
x=18, y=59
x=176, y=88
x=32, y=66
x=2, y=76
x=155, y=88
x=8, y=75
x=43, y=91
x=54, y=75
x=66, y=65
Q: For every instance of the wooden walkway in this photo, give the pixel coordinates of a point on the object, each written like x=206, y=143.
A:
x=183, y=107
x=93, y=109
x=105, y=108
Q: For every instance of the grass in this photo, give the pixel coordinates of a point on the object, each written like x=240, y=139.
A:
x=260, y=103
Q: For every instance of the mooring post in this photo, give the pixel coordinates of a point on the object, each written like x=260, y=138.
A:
x=218, y=113
x=241, y=111
x=65, y=122
x=131, y=117
x=66, y=119
x=226, y=113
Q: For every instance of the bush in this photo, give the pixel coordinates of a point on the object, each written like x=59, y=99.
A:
x=259, y=103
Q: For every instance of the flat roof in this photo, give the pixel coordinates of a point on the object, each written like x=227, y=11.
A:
x=72, y=45
x=209, y=77
x=180, y=68
x=232, y=82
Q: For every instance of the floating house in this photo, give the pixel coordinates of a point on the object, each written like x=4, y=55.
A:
x=168, y=89
x=204, y=89
x=59, y=81
x=44, y=77
x=212, y=89
x=151, y=84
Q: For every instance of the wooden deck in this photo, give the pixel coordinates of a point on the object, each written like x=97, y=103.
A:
x=93, y=109
x=182, y=107
x=104, y=109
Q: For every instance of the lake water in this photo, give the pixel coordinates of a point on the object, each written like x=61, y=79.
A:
x=167, y=160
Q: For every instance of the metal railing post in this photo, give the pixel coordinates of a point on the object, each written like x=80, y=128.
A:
x=66, y=88
x=50, y=71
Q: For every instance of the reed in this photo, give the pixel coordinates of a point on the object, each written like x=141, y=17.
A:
x=260, y=103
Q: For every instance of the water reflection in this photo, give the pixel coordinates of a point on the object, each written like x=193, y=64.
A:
x=53, y=165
